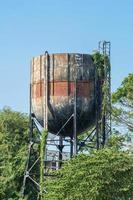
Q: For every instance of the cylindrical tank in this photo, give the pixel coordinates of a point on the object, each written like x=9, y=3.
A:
x=63, y=68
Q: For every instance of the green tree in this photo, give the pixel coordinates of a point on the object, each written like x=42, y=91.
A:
x=104, y=175
x=13, y=145
x=122, y=101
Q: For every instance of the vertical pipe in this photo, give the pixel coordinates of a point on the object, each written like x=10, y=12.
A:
x=30, y=86
x=71, y=147
x=41, y=88
x=31, y=95
x=53, y=74
x=68, y=75
x=46, y=92
x=109, y=89
x=44, y=135
x=60, y=150
x=75, y=114
x=97, y=108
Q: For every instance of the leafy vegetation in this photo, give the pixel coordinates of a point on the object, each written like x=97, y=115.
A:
x=13, y=144
x=104, y=175
x=99, y=60
x=42, y=153
x=123, y=103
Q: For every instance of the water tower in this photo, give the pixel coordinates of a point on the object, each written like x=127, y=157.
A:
x=66, y=98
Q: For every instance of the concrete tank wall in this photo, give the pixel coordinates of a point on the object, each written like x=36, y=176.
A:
x=61, y=90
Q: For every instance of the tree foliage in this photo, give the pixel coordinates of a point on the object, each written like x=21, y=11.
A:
x=104, y=175
x=13, y=145
x=124, y=94
x=123, y=103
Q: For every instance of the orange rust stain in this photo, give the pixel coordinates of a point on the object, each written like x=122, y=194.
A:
x=63, y=88
x=37, y=89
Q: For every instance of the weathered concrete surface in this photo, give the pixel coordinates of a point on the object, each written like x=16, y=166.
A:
x=61, y=84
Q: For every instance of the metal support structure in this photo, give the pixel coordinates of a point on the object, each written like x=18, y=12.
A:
x=98, y=111
x=33, y=159
x=104, y=49
x=60, y=147
x=96, y=137
x=71, y=147
x=35, y=139
x=32, y=169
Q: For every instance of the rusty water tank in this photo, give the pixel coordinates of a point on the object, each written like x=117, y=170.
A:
x=61, y=82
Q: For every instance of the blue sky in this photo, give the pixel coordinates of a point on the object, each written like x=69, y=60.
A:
x=29, y=27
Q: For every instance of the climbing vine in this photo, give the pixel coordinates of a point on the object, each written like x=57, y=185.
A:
x=42, y=155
